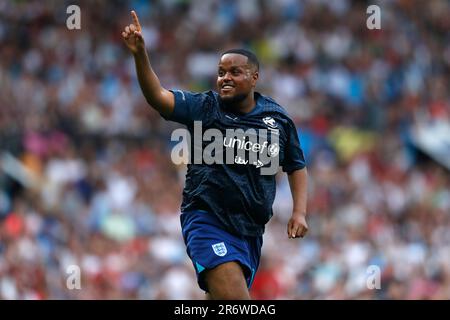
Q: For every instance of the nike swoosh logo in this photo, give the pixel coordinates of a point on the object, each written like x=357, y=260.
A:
x=234, y=119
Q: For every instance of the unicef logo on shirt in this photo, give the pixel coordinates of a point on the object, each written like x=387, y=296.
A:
x=273, y=150
x=251, y=147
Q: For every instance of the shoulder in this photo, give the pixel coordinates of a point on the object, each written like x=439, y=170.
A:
x=214, y=96
x=272, y=108
x=186, y=94
x=273, y=111
x=270, y=105
x=206, y=100
x=209, y=98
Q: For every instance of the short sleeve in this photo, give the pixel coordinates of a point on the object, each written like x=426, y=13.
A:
x=188, y=107
x=294, y=158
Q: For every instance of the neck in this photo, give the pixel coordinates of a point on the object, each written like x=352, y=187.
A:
x=246, y=105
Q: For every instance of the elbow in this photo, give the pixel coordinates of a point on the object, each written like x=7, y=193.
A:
x=162, y=102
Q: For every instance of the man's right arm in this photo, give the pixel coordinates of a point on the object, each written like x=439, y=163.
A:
x=156, y=95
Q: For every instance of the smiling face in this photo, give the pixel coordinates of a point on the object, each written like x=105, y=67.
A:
x=236, y=78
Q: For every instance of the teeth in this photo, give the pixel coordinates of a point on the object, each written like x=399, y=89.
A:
x=227, y=86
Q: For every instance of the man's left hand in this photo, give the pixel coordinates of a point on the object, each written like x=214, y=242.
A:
x=297, y=226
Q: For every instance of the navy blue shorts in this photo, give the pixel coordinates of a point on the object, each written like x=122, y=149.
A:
x=209, y=245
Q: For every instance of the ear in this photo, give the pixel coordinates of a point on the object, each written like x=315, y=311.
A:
x=255, y=77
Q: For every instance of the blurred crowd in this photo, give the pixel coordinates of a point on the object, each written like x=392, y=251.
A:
x=86, y=176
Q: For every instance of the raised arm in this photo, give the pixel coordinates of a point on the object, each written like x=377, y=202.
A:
x=156, y=95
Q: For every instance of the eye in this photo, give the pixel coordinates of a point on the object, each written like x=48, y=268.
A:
x=221, y=73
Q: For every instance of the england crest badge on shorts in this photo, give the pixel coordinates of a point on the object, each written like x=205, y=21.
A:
x=220, y=249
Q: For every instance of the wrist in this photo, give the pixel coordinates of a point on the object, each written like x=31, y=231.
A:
x=299, y=213
x=139, y=53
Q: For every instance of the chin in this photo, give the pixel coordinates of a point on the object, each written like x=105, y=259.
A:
x=231, y=99
x=226, y=97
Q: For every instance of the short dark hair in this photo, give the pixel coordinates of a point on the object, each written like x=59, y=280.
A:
x=252, y=59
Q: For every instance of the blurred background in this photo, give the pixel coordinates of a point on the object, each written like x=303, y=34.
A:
x=85, y=171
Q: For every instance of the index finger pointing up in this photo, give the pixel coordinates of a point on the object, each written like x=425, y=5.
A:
x=136, y=20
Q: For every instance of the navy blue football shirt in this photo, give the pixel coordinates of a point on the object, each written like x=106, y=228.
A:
x=236, y=192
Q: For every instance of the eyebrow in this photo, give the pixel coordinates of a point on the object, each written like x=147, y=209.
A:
x=236, y=67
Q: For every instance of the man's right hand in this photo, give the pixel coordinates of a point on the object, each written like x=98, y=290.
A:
x=161, y=99
x=132, y=35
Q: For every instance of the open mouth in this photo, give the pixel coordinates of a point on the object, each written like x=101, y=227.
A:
x=227, y=87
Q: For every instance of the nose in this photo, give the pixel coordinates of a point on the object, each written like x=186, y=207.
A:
x=227, y=76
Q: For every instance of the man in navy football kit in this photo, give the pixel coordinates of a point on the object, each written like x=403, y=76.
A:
x=226, y=204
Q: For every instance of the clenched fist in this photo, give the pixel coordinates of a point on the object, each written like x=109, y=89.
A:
x=297, y=226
